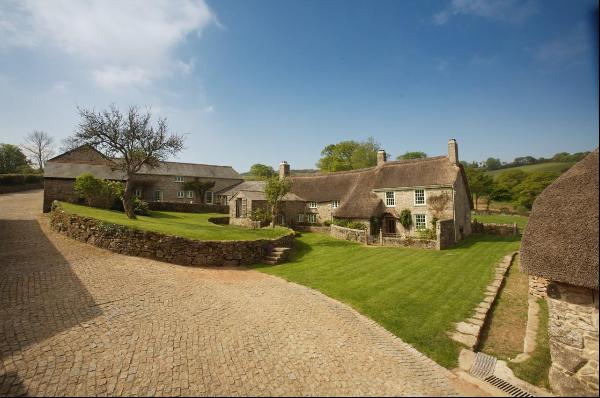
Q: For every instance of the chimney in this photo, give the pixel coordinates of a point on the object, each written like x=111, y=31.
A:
x=284, y=170
x=381, y=157
x=453, y=151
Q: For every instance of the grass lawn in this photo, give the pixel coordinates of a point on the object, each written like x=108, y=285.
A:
x=187, y=225
x=550, y=166
x=502, y=219
x=416, y=294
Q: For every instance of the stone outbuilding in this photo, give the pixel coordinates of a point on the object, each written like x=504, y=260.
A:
x=560, y=244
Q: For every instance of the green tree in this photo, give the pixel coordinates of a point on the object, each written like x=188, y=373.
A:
x=349, y=155
x=528, y=190
x=275, y=190
x=480, y=183
x=493, y=164
x=132, y=137
x=261, y=172
x=98, y=192
x=412, y=155
x=505, y=184
x=12, y=160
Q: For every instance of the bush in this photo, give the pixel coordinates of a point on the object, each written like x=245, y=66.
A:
x=327, y=223
x=140, y=207
x=20, y=179
x=261, y=215
x=406, y=218
x=427, y=234
x=98, y=192
x=343, y=222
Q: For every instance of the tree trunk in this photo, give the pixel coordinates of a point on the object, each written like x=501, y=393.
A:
x=128, y=200
x=273, y=215
x=476, y=199
x=487, y=204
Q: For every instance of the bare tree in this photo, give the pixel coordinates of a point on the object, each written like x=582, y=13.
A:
x=40, y=147
x=130, y=140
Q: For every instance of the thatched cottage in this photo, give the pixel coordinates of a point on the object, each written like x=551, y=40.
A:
x=164, y=183
x=560, y=245
x=431, y=189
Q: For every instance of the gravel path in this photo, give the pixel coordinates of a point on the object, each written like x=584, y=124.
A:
x=78, y=320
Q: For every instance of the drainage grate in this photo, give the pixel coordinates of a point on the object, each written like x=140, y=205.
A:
x=483, y=366
x=505, y=386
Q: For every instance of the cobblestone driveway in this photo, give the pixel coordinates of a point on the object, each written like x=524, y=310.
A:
x=78, y=320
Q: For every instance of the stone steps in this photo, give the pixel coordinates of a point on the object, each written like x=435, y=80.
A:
x=277, y=256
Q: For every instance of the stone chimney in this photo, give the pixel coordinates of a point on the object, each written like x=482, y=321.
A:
x=381, y=157
x=284, y=170
x=453, y=151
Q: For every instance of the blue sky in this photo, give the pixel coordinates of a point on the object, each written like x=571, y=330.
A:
x=263, y=81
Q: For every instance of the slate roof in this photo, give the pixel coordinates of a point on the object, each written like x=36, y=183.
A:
x=560, y=241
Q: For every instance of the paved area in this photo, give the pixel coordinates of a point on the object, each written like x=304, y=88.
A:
x=78, y=320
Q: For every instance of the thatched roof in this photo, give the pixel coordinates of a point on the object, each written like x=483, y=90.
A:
x=560, y=242
x=354, y=189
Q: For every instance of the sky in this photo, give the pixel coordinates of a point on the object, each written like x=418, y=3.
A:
x=261, y=81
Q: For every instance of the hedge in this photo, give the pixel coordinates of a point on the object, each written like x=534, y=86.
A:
x=20, y=179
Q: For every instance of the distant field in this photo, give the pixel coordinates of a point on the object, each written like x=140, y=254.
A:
x=551, y=166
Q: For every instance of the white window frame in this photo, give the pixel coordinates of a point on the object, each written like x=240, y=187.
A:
x=209, y=194
x=300, y=217
x=190, y=194
x=312, y=205
x=138, y=192
x=415, y=197
x=335, y=204
x=311, y=218
x=160, y=196
x=179, y=179
x=390, y=202
x=424, y=221
x=180, y=194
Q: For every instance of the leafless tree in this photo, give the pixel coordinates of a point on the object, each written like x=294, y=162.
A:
x=39, y=146
x=130, y=140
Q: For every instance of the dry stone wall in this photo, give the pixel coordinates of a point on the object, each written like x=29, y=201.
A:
x=495, y=229
x=537, y=286
x=573, y=335
x=167, y=248
x=188, y=207
x=353, y=235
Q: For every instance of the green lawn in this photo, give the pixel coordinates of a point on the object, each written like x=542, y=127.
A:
x=550, y=166
x=502, y=219
x=187, y=225
x=416, y=294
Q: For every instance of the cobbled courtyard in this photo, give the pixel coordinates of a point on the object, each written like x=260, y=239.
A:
x=78, y=320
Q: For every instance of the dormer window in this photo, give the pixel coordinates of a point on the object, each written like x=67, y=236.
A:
x=179, y=179
x=312, y=205
x=335, y=204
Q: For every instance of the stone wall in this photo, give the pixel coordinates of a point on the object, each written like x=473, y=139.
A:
x=58, y=189
x=161, y=247
x=409, y=242
x=445, y=233
x=353, y=235
x=573, y=333
x=188, y=207
x=537, y=286
x=312, y=228
x=495, y=229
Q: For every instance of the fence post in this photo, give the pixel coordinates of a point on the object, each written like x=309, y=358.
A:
x=515, y=229
x=381, y=236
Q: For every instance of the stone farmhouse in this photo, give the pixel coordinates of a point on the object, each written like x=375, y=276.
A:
x=560, y=247
x=161, y=184
x=434, y=188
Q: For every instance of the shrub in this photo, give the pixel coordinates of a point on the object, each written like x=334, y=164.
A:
x=98, y=192
x=427, y=234
x=20, y=179
x=327, y=223
x=406, y=218
x=140, y=207
x=261, y=215
x=343, y=222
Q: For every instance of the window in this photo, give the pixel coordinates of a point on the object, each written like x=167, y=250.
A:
x=179, y=179
x=419, y=197
x=311, y=218
x=390, y=199
x=335, y=204
x=420, y=221
x=312, y=205
x=300, y=217
x=208, y=197
x=190, y=194
x=158, y=196
x=180, y=194
x=138, y=193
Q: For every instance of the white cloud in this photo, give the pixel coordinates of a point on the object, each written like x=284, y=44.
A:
x=566, y=49
x=505, y=10
x=122, y=42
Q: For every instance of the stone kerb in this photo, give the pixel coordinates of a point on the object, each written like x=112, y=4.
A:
x=468, y=332
x=172, y=249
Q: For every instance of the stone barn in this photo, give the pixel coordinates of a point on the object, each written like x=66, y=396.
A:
x=560, y=245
